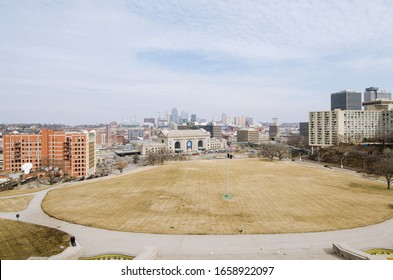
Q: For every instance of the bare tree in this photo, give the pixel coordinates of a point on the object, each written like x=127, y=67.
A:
x=159, y=156
x=53, y=168
x=135, y=158
x=273, y=150
x=120, y=165
x=281, y=150
x=267, y=150
x=384, y=167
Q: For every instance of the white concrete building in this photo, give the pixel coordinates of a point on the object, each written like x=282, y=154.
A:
x=151, y=147
x=179, y=141
x=327, y=128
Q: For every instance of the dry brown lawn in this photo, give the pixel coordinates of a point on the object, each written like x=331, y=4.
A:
x=23, y=190
x=187, y=198
x=20, y=241
x=13, y=204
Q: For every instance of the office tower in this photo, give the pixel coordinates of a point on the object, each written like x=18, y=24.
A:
x=215, y=130
x=174, y=116
x=249, y=121
x=373, y=93
x=184, y=117
x=240, y=121
x=346, y=100
x=248, y=135
x=224, y=119
x=303, y=129
x=193, y=118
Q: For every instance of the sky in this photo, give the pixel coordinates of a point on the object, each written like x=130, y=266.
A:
x=87, y=62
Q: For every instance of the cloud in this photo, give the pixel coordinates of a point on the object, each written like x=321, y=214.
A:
x=255, y=58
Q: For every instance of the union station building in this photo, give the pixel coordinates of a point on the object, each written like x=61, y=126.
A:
x=183, y=141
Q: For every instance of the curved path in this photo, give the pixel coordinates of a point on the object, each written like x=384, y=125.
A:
x=264, y=246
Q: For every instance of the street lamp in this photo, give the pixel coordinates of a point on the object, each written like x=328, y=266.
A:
x=342, y=163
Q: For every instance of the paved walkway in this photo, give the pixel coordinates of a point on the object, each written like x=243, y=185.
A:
x=264, y=246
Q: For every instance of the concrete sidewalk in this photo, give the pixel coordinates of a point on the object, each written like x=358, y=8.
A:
x=265, y=246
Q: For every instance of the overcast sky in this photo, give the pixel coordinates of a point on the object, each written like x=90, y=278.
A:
x=83, y=61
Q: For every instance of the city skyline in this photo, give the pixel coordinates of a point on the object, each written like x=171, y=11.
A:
x=76, y=62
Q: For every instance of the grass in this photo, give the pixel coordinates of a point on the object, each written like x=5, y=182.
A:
x=381, y=252
x=19, y=241
x=14, y=204
x=187, y=198
x=109, y=257
x=24, y=190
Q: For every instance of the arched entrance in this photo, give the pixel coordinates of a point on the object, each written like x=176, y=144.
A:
x=189, y=145
x=178, y=147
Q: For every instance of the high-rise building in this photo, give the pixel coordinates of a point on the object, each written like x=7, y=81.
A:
x=373, y=93
x=249, y=121
x=327, y=128
x=240, y=121
x=224, y=119
x=346, y=100
x=73, y=153
x=274, y=131
x=215, y=130
x=184, y=117
x=303, y=129
x=193, y=118
x=175, y=116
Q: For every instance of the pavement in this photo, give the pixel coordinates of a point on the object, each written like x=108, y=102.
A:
x=293, y=246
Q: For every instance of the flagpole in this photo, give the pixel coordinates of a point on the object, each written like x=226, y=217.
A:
x=227, y=176
x=227, y=195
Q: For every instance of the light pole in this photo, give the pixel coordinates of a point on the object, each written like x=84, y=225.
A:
x=342, y=163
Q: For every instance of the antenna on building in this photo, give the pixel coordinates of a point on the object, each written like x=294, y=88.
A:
x=27, y=167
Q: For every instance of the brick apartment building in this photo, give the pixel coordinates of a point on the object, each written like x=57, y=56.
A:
x=73, y=153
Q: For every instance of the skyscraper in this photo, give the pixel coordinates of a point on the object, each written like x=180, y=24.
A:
x=174, y=116
x=193, y=118
x=372, y=93
x=184, y=117
x=346, y=100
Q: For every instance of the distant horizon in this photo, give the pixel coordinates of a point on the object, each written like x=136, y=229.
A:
x=93, y=62
x=118, y=122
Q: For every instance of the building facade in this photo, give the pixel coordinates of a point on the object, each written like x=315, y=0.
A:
x=136, y=133
x=346, y=100
x=373, y=93
x=154, y=147
x=323, y=127
x=248, y=135
x=179, y=141
x=303, y=129
x=329, y=128
x=73, y=153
